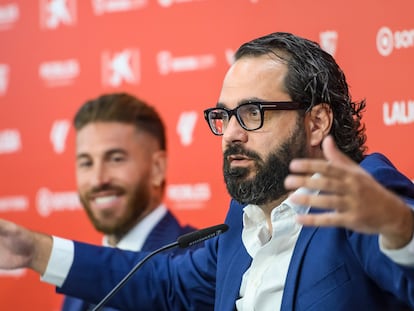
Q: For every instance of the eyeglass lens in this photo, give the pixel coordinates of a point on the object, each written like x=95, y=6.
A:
x=249, y=116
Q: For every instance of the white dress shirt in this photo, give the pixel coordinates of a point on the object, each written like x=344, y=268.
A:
x=263, y=283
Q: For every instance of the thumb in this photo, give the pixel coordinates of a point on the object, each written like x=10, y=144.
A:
x=332, y=153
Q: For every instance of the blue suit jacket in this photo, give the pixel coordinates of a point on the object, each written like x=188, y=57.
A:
x=166, y=231
x=331, y=268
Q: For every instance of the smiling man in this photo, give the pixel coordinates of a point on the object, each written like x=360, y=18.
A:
x=121, y=163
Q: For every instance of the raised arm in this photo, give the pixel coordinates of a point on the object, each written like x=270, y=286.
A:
x=23, y=248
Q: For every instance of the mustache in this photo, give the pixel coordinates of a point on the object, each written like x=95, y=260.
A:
x=105, y=187
x=237, y=149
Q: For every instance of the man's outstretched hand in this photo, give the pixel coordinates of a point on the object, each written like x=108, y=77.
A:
x=353, y=198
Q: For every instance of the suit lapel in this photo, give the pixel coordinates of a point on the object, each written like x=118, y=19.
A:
x=289, y=292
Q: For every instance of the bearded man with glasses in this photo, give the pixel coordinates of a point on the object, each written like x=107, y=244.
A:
x=315, y=222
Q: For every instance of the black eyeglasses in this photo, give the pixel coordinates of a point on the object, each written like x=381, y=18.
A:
x=249, y=115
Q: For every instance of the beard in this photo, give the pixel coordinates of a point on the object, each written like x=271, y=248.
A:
x=267, y=184
x=137, y=204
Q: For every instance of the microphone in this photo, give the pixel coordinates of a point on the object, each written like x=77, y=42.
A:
x=183, y=241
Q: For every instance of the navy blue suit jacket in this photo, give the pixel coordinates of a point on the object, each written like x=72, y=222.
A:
x=166, y=231
x=331, y=268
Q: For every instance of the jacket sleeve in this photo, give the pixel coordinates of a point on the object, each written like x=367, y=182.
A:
x=164, y=282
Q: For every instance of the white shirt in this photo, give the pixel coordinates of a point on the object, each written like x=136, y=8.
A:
x=271, y=253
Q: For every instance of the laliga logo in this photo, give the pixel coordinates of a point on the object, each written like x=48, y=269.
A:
x=56, y=12
x=387, y=41
x=123, y=66
x=399, y=112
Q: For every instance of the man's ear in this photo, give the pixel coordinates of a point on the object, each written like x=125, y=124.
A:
x=159, y=167
x=319, y=120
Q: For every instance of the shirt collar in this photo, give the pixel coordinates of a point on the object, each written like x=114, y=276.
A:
x=253, y=215
x=135, y=238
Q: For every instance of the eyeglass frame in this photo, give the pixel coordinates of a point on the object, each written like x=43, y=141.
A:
x=263, y=106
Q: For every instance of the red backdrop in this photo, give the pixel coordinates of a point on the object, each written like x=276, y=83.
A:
x=55, y=54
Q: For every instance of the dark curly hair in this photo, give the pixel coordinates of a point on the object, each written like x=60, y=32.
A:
x=313, y=78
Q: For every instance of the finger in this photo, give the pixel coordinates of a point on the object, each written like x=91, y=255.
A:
x=320, y=220
x=315, y=183
x=333, y=154
x=313, y=166
x=321, y=201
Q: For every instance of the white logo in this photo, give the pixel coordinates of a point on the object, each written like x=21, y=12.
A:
x=328, y=41
x=56, y=12
x=48, y=202
x=13, y=273
x=387, y=41
x=9, y=14
x=59, y=134
x=168, y=3
x=189, y=196
x=59, y=73
x=229, y=55
x=121, y=67
x=15, y=204
x=4, y=78
x=10, y=141
x=167, y=63
x=400, y=112
x=109, y=6
x=185, y=127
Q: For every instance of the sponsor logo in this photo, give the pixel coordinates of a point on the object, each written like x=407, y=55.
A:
x=10, y=141
x=110, y=6
x=58, y=135
x=329, y=41
x=121, y=67
x=54, y=13
x=48, y=201
x=387, y=40
x=4, y=78
x=168, y=3
x=9, y=14
x=185, y=127
x=14, y=204
x=17, y=273
x=189, y=196
x=229, y=55
x=399, y=112
x=59, y=73
x=167, y=63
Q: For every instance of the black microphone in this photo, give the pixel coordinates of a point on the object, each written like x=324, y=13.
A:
x=183, y=241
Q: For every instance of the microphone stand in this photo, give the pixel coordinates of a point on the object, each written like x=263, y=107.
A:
x=130, y=273
x=183, y=241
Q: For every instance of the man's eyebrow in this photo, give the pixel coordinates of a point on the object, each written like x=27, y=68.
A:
x=107, y=153
x=241, y=102
x=81, y=155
